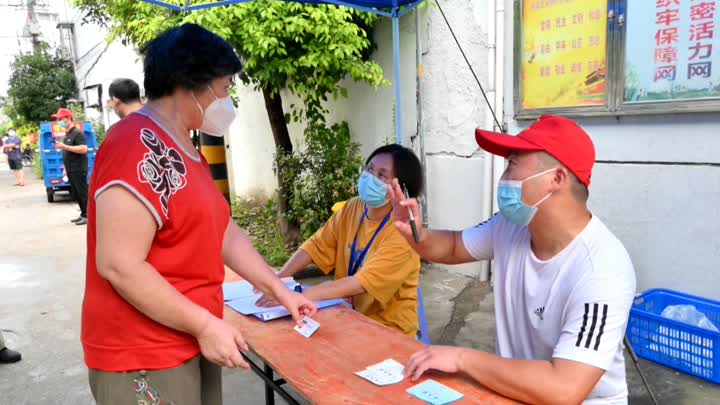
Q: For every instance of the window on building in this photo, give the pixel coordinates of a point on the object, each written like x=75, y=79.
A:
x=616, y=57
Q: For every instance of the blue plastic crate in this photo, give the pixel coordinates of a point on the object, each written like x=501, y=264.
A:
x=686, y=348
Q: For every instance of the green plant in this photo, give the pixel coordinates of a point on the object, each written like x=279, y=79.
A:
x=40, y=83
x=325, y=172
x=78, y=110
x=99, y=128
x=37, y=166
x=303, y=48
x=259, y=219
x=25, y=130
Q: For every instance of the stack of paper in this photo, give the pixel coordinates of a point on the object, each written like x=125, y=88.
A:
x=384, y=373
x=240, y=297
x=241, y=289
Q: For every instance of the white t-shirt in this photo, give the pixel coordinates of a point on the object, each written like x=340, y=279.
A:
x=574, y=306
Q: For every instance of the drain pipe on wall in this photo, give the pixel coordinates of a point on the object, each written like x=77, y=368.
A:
x=493, y=166
x=493, y=25
x=500, y=37
x=498, y=163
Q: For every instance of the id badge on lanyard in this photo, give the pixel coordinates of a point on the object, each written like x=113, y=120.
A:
x=357, y=258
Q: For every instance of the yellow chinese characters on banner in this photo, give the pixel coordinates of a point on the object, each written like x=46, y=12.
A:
x=563, y=53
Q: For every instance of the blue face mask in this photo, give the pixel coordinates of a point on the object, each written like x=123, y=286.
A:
x=63, y=125
x=372, y=191
x=509, y=198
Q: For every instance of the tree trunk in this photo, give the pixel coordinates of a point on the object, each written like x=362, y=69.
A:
x=283, y=147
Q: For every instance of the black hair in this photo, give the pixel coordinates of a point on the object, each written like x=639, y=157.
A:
x=408, y=169
x=189, y=57
x=125, y=90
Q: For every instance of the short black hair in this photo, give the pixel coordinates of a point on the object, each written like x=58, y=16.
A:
x=408, y=169
x=189, y=57
x=125, y=90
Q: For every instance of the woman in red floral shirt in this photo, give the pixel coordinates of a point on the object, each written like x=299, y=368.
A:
x=160, y=235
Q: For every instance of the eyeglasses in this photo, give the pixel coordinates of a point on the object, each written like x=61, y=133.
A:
x=380, y=176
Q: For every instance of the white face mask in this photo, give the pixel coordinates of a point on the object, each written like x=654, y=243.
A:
x=11, y=133
x=218, y=116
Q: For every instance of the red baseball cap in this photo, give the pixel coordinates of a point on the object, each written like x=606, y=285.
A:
x=559, y=137
x=63, y=113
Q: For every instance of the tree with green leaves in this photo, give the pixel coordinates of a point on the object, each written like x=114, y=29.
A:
x=305, y=49
x=40, y=83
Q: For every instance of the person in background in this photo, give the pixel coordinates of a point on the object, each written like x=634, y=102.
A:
x=75, y=149
x=124, y=97
x=12, y=148
x=374, y=266
x=160, y=235
x=563, y=283
x=27, y=150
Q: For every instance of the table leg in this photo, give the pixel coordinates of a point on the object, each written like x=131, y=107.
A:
x=267, y=374
x=269, y=391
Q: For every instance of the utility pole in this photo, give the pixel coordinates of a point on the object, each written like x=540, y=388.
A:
x=33, y=28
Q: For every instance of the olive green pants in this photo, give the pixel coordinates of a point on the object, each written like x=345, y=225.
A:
x=197, y=382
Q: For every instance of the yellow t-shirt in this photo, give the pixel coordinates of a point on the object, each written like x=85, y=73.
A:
x=389, y=273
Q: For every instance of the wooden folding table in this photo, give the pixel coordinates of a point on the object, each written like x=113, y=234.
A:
x=321, y=369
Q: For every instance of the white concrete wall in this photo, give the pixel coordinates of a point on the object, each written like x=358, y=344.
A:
x=368, y=110
x=251, y=147
x=458, y=172
x=666, y=213
x=110, y=62
x=101, y=62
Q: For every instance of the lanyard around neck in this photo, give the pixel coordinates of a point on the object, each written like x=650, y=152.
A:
x=356, y=258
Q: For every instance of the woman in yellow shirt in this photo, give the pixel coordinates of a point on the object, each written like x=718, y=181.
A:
x=374, y=266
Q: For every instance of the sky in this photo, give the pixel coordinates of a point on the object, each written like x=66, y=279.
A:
x=13, y=15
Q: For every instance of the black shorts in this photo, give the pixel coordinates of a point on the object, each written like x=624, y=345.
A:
x=15, y=164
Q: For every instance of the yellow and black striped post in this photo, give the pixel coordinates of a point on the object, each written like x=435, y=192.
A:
x=213, y=148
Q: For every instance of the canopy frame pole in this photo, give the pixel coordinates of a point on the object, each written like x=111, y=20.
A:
x=396, y=68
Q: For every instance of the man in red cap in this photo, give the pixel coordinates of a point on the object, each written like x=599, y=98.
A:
x=75, y=149
x=563, y=283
